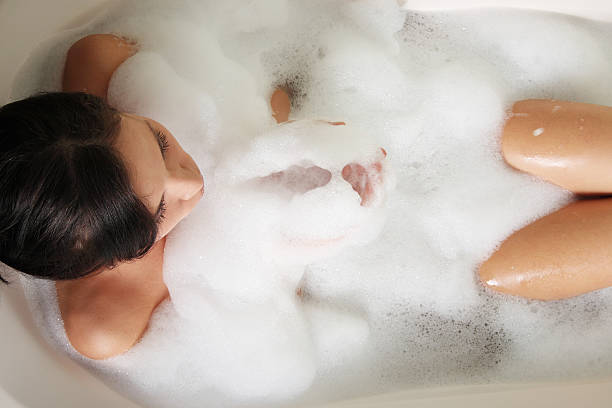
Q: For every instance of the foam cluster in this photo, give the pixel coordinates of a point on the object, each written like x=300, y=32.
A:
x=284, y=287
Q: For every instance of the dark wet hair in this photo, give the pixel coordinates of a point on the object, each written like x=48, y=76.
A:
x=67, y=207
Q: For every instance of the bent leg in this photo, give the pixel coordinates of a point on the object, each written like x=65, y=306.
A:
x=564, y=254
x=565, y=143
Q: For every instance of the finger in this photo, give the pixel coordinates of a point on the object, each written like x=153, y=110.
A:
x=357, y=176
x=368, y=193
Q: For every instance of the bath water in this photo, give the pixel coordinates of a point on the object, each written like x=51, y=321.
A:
x=282, y=294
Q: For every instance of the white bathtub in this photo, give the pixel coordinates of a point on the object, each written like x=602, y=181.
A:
x=34, y=376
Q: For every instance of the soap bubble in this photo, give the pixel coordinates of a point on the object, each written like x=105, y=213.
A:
x=297, y=280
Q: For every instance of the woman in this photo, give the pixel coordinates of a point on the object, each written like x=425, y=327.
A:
x=566, y=253
x=89, y=195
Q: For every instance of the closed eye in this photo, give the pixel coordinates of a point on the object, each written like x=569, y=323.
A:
x=161, y=211
x=163, y=141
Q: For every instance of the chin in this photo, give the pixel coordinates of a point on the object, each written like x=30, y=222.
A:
x=165, y=232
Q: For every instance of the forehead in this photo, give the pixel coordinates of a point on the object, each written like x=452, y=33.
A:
x=140, y=152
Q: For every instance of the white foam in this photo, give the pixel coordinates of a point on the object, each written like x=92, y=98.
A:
x=388, y=293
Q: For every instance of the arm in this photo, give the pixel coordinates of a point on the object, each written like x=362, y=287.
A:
x=91, y=61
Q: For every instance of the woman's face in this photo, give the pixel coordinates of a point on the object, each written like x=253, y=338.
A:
x=162, y=174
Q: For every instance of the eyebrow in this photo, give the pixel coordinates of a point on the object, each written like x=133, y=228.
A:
x=156, y=137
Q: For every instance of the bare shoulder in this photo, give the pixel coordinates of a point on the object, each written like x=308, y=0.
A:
x=91, y=61
x=102, y=323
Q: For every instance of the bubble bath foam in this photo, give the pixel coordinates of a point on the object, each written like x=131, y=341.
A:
x=388, y=293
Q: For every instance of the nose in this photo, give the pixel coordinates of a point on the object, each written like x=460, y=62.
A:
x=185, y=183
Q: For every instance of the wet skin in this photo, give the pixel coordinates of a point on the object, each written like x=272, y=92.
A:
x=107, y=312
x=566, y=253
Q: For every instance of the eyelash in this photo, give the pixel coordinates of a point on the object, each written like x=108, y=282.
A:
x=163, y=142
x=162, y=211
x=163, y=146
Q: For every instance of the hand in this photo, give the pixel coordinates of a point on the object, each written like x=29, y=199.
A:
x=366, y=181
x=298, y=179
